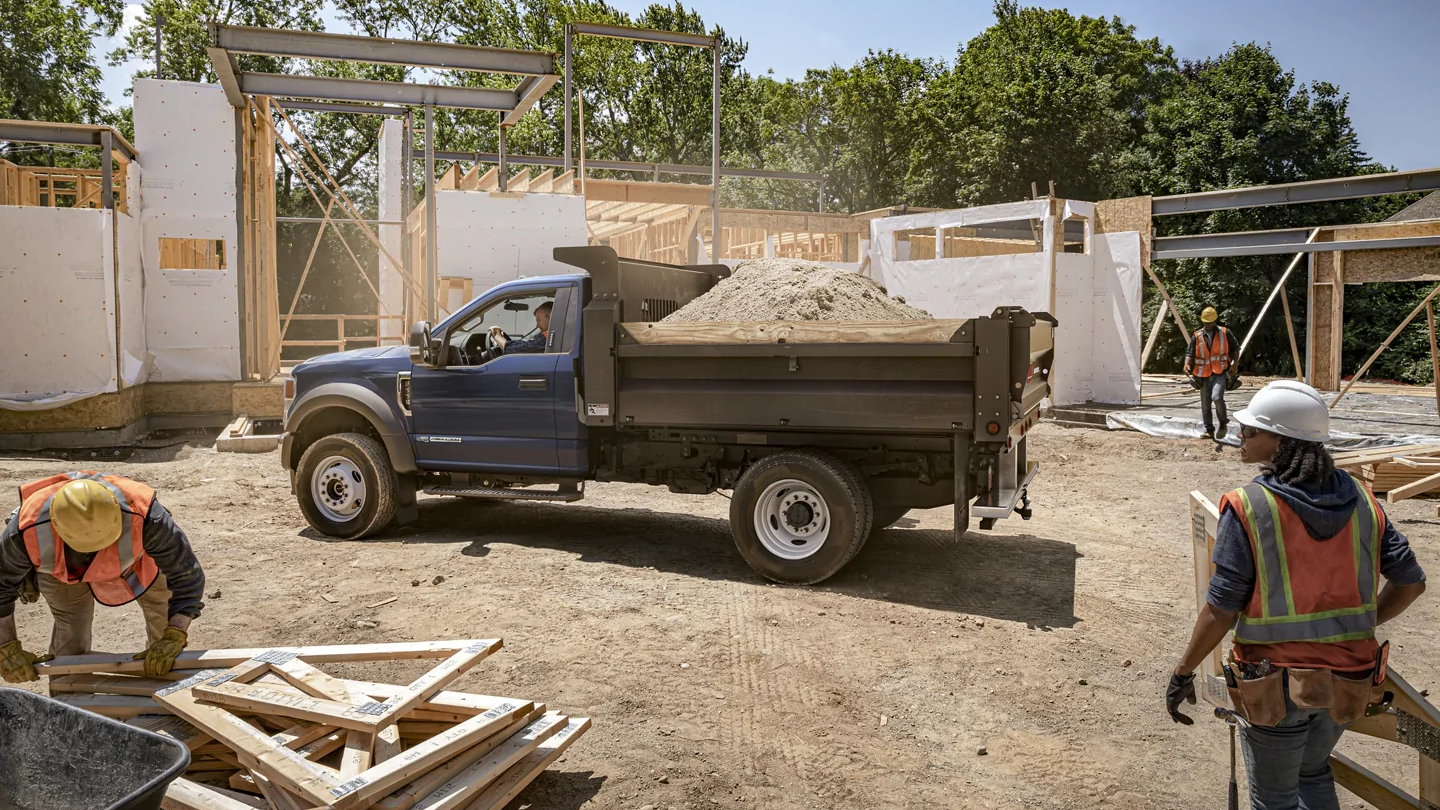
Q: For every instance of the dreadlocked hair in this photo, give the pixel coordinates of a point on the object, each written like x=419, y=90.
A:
x=1299, y=462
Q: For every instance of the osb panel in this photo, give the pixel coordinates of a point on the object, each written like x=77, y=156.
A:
x=258, y=400
x=1407, y=264
x=1386, y=230
x=1126, y=214
x=113, y=410
x=187, y=397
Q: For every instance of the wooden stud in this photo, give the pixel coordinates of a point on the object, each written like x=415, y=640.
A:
x=1204, y=526
x=1427, y=484
x=1368, y=786
x=1337, y=321
x=1434, y=353
x=167, y=725
x=381, y=779
x=466, y=785
x=406, y=797
x=183, y=794
x=1154, y=333
x=226, y=658
x=116, y=707
x=265, y=700
x=1290, y=329
x=277, y=762
x=422, y=688
x=520, y=775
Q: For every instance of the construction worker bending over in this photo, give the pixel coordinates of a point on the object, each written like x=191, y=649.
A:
x=1208, y=359
x=82, y=537
x=1298, y=558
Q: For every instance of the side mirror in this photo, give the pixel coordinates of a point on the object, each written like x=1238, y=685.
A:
x=421, y=349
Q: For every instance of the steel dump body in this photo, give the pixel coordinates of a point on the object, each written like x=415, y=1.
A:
x=932, y=377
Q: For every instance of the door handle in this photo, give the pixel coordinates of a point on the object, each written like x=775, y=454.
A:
x=534, y=383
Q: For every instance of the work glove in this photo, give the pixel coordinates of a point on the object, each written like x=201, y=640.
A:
x=160, y=658
x=18, y=666
x=1181, y=690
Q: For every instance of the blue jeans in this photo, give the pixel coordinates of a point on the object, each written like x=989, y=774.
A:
x=1289, y=764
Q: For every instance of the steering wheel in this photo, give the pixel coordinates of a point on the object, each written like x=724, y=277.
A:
x=472, y=347
x=492, y=348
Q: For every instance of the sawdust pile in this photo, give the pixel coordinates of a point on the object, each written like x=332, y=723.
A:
x=795, y=290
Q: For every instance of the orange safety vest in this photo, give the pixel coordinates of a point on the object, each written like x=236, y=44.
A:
x=1209, y=358
x=1314, y=600
x=120, y=572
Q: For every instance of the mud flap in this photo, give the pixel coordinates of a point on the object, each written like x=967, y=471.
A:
x=962, y=484
x=406, y=509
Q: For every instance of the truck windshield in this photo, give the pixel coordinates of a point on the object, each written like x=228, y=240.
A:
x=515, y=315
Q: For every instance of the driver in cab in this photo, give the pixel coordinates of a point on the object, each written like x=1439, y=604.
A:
x=534, y=344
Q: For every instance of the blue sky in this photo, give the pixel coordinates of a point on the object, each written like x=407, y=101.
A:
x=1382, y=53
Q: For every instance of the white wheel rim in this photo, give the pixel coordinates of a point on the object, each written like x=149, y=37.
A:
x=338, y=488
x=792, y=520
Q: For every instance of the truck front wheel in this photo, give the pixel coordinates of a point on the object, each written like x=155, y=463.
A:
x=346, y=486
x=800, y=516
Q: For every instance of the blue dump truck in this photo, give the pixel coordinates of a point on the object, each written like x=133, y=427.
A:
x=821, y=431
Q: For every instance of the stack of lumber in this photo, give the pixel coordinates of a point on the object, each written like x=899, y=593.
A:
x=1403, y=471
x=267, y=729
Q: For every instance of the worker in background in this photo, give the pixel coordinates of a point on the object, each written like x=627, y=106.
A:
x=536, y=343
x=1299, y=554
x=1208, y=359
x=79, y=538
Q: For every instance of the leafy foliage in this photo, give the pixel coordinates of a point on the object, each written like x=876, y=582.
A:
x=1041, y=95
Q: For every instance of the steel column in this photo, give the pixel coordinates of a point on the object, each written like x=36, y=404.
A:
x=504, y=170
x=715, y=153
x=432, y=263
x=569, y=53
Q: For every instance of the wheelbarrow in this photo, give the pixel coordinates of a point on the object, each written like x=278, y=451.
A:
x=54, y=756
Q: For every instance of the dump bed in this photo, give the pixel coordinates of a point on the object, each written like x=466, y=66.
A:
x=981, y=375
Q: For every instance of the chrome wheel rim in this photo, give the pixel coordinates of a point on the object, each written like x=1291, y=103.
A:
x=792, y=520
x=338, y=488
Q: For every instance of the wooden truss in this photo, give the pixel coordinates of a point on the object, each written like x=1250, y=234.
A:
x=271, y=721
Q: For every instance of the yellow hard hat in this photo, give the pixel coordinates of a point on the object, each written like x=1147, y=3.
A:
x=1209, y=315
x=86, y=515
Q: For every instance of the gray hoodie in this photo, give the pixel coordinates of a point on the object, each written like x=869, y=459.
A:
x=1325, y=509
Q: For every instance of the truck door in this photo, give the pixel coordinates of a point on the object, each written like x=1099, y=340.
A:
x=495, y=415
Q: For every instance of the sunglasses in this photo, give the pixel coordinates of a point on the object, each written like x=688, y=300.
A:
x=1249, y=432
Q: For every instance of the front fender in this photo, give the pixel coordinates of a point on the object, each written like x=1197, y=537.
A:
x=361, y=400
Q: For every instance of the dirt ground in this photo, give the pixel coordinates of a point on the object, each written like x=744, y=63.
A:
x=1046, y=642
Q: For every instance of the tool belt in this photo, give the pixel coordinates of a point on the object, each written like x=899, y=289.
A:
x=1348, y=696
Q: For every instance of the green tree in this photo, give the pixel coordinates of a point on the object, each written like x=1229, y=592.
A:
x=47, y=71
x=1040, y=95
x=1241, y=119
x=184, y=36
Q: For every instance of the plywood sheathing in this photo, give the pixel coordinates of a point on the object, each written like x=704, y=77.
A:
x=1126, y=214
x=127, y=406
x=258, y=400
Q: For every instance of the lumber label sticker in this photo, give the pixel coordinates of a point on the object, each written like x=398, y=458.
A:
x=193, y=680
x=349, y=787
x=277, y=656
x=478, y=646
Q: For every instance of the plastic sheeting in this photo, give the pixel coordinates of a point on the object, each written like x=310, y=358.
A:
x=392, y=280
x=1182, y=427
x=186, y=137
x=493, y=238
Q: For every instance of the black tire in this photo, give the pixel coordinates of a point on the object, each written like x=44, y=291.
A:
x=843, y=495
x=885, y=516
x=367, y=459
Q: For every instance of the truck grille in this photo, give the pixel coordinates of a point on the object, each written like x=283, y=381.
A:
x=654, y=309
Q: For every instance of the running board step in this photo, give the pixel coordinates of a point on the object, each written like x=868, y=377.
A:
x=565, y=494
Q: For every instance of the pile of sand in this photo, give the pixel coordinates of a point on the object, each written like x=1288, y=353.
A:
x=794, y=290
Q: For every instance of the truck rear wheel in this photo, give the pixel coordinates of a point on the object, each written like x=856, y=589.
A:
x=799, y=516
x=346, y=486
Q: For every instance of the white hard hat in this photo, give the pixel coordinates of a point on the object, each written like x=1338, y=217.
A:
x=1288, y=408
